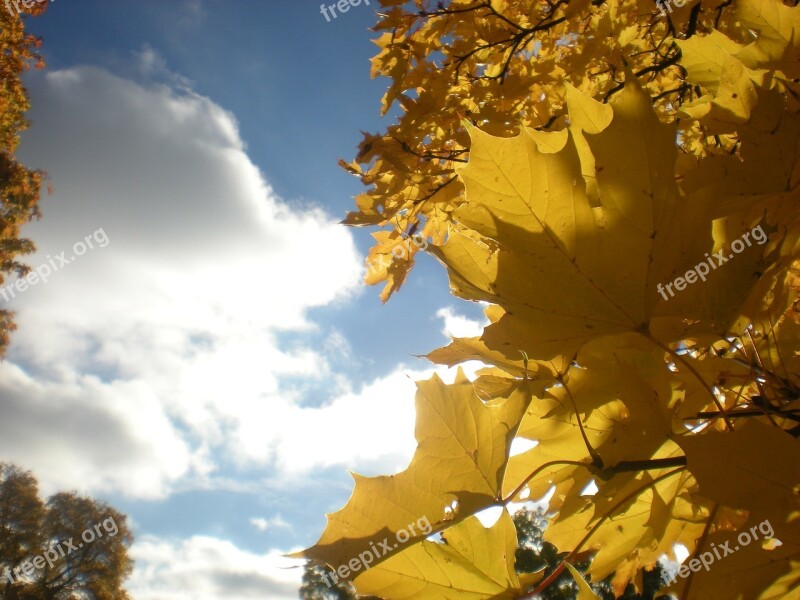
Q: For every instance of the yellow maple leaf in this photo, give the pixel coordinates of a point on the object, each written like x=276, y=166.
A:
x=471, y=562
x=563, y=271
x=456, y=471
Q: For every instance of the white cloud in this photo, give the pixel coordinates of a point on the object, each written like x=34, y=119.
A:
x=373, y=428
x=159, y=352
x=456, y=325
x=276, y=522
x=109, y=436
x=161, y=348
x=207, y=568
x=336, y=346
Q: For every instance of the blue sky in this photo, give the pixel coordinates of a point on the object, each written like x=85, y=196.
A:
x=216, y=367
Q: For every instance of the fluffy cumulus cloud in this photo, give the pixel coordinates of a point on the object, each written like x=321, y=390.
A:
x=112, y=435
x=207, y=568
x=374, y=428
x=142, y=356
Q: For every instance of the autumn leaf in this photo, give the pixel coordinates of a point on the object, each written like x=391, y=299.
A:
x=738, y=468
x=471, y=562
x=557, y=266
x=584, y=591
x=456, y=471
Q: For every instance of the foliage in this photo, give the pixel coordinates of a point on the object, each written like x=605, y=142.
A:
x=533, y=554
x=19, y=185
x=605, y=154
x=29, y=528
x=502, y=64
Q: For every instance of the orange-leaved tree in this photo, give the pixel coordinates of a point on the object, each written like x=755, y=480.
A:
x=19, y=185
x=67, y=547
x=619, y=181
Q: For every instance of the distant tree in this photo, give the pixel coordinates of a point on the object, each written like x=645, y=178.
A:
x=19, y=185
x=314, y=585
x=66, y=548
x=534, y=553
x=21, y=517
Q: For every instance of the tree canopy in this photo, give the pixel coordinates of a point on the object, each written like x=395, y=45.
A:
x=618, y=181
x=19, y=185
x=66, y=547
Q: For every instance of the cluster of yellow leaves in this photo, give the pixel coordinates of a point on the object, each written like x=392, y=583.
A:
x=502, y=64
x=19, y=185
x=684, y=411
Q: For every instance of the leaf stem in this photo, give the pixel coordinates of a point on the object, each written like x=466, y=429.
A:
x=645, y=465
x=596, y=460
